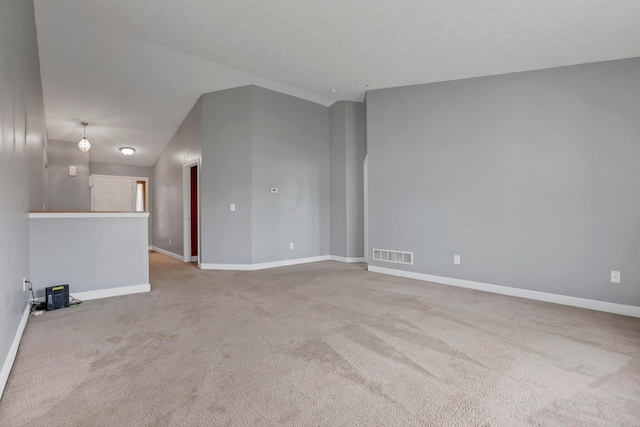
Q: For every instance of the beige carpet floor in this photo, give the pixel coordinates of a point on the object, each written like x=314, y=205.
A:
x=324, y=344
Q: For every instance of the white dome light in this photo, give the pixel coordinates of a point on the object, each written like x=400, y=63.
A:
x=127, y=151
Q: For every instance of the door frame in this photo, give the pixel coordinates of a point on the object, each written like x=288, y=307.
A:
x=186, y=211
x=365, y=202
x=133, y=190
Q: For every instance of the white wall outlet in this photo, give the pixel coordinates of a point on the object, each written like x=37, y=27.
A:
x=615, y=276
x=24, y=284
x=290, y=245
x=456, y=259
x=169, y=240
x=160, y=209
x=232, y=207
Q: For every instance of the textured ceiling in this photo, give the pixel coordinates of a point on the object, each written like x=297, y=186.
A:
x=133, y=69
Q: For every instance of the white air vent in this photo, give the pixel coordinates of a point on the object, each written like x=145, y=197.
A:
x=393, y=256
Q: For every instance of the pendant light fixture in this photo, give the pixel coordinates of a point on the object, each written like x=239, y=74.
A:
x=84, y=145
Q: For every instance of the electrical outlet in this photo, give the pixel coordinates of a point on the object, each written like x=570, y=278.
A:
x=232, y=207
x=456, y=259
x=24, y=284
x=169, y=240
x=290, y=245
x=615, y=276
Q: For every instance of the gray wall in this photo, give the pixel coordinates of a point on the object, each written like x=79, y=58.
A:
x=225, y=177
x=64, y=192
x=338, y=180
x=255, y=139
x=184, y=147
x=89, y=254
x=347, y=156
x=22, y=173
x=134, y=171
x=356, y=151
x=120, y=170
x=531, y=177
x=290, y=151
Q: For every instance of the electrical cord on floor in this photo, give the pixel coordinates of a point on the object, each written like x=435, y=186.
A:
x=74, y=301
x=35, y=305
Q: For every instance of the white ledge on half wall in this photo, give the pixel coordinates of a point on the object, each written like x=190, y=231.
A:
x=45, y=214
x=608, y=307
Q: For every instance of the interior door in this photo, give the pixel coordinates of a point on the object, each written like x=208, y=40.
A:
x=113, y=194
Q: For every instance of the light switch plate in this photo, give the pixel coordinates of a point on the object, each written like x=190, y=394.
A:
x=456, y=259
x=232, y=207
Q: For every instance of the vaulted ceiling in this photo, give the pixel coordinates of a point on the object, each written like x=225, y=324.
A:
x=133, y=69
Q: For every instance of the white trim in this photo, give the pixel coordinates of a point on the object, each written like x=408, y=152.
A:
x=346, y=259
x=609, y=307
x=88, y=214
x=13, y=350
x=112, y=292
x=263, y=265
x=139, y=178
x=166, y=252
x=194, y=259
x=365, y=200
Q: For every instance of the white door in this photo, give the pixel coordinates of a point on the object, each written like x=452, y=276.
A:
x=113, y=194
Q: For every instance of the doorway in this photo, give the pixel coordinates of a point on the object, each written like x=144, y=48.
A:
x=191, y=212
x=194, y=213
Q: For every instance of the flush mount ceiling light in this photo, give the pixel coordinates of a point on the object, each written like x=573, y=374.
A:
x=84, y=145
x=127, y=151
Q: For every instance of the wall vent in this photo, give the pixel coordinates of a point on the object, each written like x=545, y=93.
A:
x=393, y=256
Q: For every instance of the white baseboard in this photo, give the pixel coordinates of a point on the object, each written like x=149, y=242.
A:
x=609, y=307
x=263, y=265
x=166, y=252
x=194, y=258
x=112, y=292
x=13, y=350
x=346, y=259
x=106, y=293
